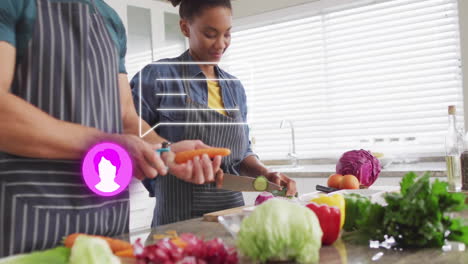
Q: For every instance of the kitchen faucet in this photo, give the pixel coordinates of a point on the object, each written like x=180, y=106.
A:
x=291, y=155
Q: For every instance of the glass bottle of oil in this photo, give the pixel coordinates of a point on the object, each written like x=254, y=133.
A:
x=453, y=151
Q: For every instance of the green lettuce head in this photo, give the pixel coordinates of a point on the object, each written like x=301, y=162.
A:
x=92, y=250
x=281, y=230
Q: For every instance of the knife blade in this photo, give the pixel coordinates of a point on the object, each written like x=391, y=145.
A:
x=237, y=183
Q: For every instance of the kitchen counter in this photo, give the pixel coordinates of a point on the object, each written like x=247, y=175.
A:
x=437, y=169
x=340, y=253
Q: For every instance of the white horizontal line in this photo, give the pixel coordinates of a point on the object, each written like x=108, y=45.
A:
x=45, y=183
x=196, y=109
x=184, y=63
x=36, y=160
x=55, y=195
x=193, y=79
x=80, y=207
x=170, y=94
x=38, y=172
x=191, y=124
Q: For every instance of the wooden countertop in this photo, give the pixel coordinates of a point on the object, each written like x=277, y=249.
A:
x=339, y=253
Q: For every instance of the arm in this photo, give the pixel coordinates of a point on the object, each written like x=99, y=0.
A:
x=252, y=166
x=25, y=130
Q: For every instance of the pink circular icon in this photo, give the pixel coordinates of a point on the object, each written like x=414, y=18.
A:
x=107, y=169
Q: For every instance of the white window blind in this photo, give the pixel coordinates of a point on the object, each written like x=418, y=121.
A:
x=377, y=75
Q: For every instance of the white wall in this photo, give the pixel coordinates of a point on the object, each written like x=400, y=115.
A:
x=463, y=14
x=243, y=8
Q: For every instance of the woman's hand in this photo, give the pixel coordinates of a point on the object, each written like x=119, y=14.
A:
x=282, y=180
x=200, y=170
x=252, y=166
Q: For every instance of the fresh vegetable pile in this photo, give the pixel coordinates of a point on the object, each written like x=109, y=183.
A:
x=361, y=164
x=281, y=230
x=186, y=249
x=415, y=217
x=78, y=249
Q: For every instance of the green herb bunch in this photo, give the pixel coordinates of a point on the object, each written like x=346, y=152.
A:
x=418, y=216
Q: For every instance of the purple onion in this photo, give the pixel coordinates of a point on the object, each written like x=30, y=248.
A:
x=262, y=197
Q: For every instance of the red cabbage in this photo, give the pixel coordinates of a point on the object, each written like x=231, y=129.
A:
x=361, y=164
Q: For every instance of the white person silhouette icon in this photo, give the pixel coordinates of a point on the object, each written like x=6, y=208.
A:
x=107, y=164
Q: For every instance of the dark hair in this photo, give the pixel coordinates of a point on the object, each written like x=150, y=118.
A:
x=190, y=8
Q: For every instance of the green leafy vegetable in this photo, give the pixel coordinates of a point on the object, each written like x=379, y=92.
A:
x=356, y=206
x=417, y=216
x=58, y=255
x=92, y=250
x=281, y=230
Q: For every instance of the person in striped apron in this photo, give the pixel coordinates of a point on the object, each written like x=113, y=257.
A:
x=190, y=91
x=63, y=88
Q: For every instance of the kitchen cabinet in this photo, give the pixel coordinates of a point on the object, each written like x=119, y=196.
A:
x=152, y=31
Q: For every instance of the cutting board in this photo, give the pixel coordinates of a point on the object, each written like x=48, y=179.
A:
x=213, y=216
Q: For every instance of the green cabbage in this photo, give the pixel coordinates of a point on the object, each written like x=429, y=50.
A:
x=92, y=250
x=281, y=230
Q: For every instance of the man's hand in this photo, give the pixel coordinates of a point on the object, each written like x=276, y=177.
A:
x=146, y=162
x=282, y=180
x=186, y=145
x=200, y=170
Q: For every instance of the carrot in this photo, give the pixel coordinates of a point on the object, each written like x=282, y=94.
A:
x=128, y=253
x=116, y=245
x=178, y=242
x=184, y=156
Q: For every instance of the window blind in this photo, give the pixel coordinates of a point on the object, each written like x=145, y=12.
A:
x=377, y=75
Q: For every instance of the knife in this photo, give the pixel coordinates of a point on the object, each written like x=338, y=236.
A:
x=325, y=189
x=237, y=183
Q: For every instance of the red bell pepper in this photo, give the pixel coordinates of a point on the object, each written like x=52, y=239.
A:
x=329, y=218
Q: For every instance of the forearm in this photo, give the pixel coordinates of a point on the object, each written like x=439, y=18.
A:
x=27, y=131
x=252, y=166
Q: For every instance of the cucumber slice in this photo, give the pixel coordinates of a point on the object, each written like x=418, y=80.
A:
x=260, y=184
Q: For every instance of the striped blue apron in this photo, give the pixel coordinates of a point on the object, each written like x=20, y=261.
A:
x=177, y=200
x=70, y=71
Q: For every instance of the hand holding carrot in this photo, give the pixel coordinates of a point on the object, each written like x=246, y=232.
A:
x=197, y=169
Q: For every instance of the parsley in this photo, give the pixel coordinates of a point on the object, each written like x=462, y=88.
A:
x=418, y=216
